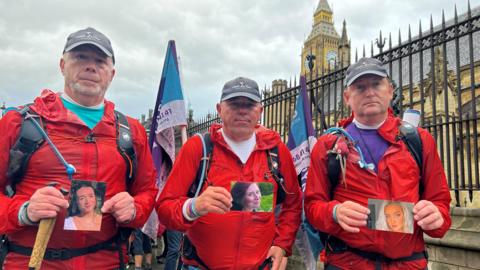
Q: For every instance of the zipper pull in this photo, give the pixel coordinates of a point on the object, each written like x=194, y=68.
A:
x=90, y=138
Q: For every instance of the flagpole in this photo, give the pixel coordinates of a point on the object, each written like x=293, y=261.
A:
x=183, y=130
x=169, y=112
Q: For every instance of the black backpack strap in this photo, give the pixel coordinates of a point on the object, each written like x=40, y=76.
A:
x=188, y=249
x=28, y=141
x=125, y=145
x=3, y=248
x=337, y=246
x=334, y=171
x=410, y=136
x=111, y=244
x=189, y=252
x=334, y=168
x=204, y=163
x=274, y=166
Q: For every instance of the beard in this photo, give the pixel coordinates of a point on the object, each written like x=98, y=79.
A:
x=93, y=91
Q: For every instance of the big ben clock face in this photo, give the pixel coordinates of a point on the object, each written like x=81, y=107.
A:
x=331, y=56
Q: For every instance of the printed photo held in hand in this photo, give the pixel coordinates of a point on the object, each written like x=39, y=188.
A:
x=86, y=200
x=252, y=196
x=393, y=216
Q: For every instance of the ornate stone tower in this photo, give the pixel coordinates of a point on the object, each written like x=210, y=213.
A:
x=344, y=48
x=325, y=43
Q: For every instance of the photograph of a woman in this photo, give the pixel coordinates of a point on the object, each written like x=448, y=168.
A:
x=85, y=204
x=246, y=197
x=395, y=217
x=252, y=196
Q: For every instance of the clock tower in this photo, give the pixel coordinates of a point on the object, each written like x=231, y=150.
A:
x=325, y=44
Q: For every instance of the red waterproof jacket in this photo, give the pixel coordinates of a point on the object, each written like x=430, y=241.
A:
x=397, y=179
x=97, y=161
x=235, y=240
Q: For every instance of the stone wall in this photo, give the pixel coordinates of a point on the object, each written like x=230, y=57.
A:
x=459, y=249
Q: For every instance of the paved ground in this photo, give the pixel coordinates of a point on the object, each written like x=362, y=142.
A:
x=156, y=250
x=155, y=265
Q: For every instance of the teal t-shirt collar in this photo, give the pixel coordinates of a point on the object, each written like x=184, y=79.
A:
x=89, y=115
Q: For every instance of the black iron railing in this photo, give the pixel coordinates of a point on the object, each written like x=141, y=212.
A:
x=436, y=72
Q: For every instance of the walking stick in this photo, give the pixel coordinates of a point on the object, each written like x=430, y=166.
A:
x=45, y=229
x=43, y=236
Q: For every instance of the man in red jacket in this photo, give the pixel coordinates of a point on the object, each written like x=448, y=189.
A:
x=391, y=174
x=225, y=238
x=82, y=125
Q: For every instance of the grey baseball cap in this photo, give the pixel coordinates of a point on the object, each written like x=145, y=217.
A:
x=241, y=87
x=365, y=66
x=89, y=36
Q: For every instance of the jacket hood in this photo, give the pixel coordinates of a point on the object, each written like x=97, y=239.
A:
x=49, y=105
x=388, y=130
x=266, y=138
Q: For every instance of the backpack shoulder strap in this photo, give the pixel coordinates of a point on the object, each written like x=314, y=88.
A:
x=274, y=166
x=334, y=168
x=204, y=166
x=410, y=136
x=29, y=140
x=125, y=145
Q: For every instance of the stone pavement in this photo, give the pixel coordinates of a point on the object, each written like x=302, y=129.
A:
x=156, y=250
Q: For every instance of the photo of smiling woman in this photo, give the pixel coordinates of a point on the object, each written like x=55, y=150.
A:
x=246, y=197
x=252, y=196
x=85, y=204
x=395, y=217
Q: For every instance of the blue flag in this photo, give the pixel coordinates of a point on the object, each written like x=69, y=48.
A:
x=301, y=137
x=169, y=112
x=170, y=107
x=301, y=140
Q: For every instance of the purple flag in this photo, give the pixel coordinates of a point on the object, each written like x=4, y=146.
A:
x=300, y=141
x=301, y=137
x=169, y=112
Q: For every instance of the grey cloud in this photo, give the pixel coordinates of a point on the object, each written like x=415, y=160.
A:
x=216, y=41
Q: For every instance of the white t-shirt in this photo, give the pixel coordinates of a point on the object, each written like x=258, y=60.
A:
x=242, y=149
x=69, y=224
x=362, y=126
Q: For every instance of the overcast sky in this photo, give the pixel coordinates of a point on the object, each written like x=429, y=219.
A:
x=216, y=41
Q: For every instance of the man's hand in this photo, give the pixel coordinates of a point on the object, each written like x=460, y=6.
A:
x=427, y=215
x=351, y=215
x=46, y=202
x=276, y=254
x=121, y=207
x=213, y=200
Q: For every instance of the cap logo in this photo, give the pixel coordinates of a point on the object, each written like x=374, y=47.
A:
x=88, y=35
x=242, y=84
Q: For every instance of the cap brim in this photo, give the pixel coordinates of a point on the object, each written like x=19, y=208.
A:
x=247, y=95
x=74, y=45
x=366, y=72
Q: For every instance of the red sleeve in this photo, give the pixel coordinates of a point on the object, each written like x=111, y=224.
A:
x=10, y=125
x=174, y=194
x=435, y=184
x=290, y=216
x=143, y=189
x=318, y=206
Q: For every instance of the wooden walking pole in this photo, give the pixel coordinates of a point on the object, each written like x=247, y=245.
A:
x=45, y=229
